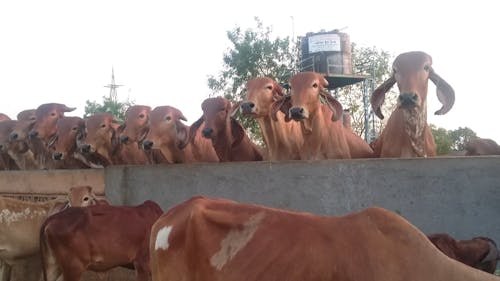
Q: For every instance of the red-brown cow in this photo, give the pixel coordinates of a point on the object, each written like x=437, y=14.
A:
x=64, y=144
x=407, y=133
x=206, y=239
x=132, y=133
x=83, y=196
x=229, y=139
x=99, y=143
x=323, y=138
x=482, y=147
x=479, y=252
x=97, y=238
x=283, y=139
x=168, y=134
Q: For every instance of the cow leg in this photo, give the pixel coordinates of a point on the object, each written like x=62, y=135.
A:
x=5, y=271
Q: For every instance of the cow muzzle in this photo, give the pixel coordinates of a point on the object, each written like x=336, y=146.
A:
x=147, y=145
x=33, y=134
x=207, y=132
x=248, y=108
x=298, y=113
x=57, y=156
x=13, y=136
x=408, y=100
x=124, y=139
x=85, y=148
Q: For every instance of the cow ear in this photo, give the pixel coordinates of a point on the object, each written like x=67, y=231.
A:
x=237, y=131
x=282, y=105
x=115, y=125
x=445, y=93
x=378, y=96
x=194, y=128
x=324, y=82
x=334, y=106
x=277, y=90
x=64, y=108
x=182, y=132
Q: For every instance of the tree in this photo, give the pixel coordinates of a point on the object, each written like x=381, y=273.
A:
x=460, y=137
x=253, y=53
x=443, y=140
x=109, y=105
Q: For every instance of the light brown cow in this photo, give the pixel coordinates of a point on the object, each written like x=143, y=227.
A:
x=84, y=196
x=20, y=223
x=99, y=144
x=229, y=139
x=168, y=134
x=256, y=243
x=64, y=144
x=132, y=133
x=323, y=133
x=482, y=147
x=407, y=133
x=73, y=240
x=6, y=162
x=27, y=115
x=283, y=139
x=479, y=252
x=19, y=145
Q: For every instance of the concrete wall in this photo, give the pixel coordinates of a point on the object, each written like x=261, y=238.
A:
x=460, y=196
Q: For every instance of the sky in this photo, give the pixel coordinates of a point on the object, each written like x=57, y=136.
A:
x=163, y=51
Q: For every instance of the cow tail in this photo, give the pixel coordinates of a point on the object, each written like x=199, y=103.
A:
x=43, y=249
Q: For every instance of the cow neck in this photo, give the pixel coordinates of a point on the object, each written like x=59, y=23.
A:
x=223, y=143
x=414, y=126
x=269, y=133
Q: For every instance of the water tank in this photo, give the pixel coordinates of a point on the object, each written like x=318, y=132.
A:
x=328, y=53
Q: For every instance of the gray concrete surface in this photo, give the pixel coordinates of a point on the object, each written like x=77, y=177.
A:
x=459, y=196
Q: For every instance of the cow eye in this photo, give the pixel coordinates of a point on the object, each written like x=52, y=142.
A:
x=427, y=67
x=168, y=118
x=53, y=114
x=141, y=115
x=74, y=128
x=270, y=87
x=315, y=85
x=103, y=125
x=85, y=199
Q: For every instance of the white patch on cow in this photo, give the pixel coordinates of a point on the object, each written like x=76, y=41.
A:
x=162, y=238
x=7, y=216
x=236, y=240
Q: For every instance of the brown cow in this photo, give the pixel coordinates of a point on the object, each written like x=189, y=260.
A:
x=64, y=144
x=229, y=139
x=20, y=223
x=283, y=139
x=171, y=136
x=323, y=133
x=479, y=252
x=206, y=239
x=407, y=133
x=6, y=162
x=78, y=239
x=83, y=196
x=19, y=145
x=482, y=147
x=131, y=134
x=99, y=144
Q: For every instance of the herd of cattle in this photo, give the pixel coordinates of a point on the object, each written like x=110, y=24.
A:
x=217, y=239
x=43, y=138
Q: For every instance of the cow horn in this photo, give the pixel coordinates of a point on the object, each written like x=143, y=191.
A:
x=378, y=96
x=235, y=109
x=445, y=93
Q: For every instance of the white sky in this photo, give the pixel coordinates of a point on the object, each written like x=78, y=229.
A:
x=162, y=51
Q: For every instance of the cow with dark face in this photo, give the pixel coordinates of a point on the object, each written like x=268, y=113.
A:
x=131, y=134
x=407, y=133
x=479, y=252
x=229, y=139
x=64, y=143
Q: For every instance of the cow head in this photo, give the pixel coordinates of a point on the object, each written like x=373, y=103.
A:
x=136, y=124
x=6, y=128
x=28, y=114
x=262, y=92
x=166, y=129
x=100, y=132
x=81, y=196
x=64, y=142
x=411, y=72
x=46, y=116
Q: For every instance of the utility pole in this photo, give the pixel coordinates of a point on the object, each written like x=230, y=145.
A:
x=113, y=96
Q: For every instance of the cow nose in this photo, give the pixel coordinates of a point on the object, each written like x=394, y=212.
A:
x=147, y=145
x=13, y=136
x=85, y=148
x=297, y=113
x=57, y=155
x=124, y=139
x=247, y=107
x=408, y=99
x=1, y=147
x=33, y=134
x=207, y=132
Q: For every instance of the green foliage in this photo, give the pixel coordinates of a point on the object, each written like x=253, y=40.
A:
x=109, y=105
x=448, y=141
